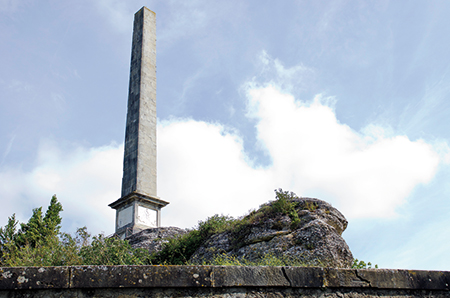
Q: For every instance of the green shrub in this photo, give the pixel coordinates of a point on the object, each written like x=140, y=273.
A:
x=178, y=250
x=112, y=251
x=357, y=264
x=284, y=204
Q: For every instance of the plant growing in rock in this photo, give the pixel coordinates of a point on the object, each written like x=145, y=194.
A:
x=268, y=259
x=357, y=264
x=311, y=206
x=284, y=204
x=177, y=251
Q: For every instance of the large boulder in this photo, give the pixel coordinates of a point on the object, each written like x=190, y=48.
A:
x=152, y=239
x=312, y=237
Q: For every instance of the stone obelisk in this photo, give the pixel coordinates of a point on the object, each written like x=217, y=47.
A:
x=139, y=207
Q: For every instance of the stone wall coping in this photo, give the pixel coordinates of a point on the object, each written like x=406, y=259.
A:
x=85, y=277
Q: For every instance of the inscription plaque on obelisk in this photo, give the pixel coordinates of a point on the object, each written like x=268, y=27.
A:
x=139, y=207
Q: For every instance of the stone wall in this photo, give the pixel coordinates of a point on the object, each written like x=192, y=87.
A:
x=219, y=281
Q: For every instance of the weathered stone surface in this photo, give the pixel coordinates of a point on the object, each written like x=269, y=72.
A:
x=34, y=277
x=403, y=279
x=219, y=281
x=153, y=239
x=141, y=276
x=344, y=278
x=139, y=165
x=232, y=276
x=315, y=241
x=233, y=292
x=312, y=277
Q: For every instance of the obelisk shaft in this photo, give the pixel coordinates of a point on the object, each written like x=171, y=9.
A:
x=139, y=165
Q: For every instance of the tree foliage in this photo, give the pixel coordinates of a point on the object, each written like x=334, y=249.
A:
x=39, y=242
x=41, y=229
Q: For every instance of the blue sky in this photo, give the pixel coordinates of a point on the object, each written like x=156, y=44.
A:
x=346, y=101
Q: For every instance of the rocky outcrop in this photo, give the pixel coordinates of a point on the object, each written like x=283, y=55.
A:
x=153, y=239
x=296, y=231
x=312, y=237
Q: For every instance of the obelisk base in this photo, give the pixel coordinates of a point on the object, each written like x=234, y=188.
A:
x=136, y=212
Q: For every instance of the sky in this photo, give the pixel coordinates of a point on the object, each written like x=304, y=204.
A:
x=345, y=101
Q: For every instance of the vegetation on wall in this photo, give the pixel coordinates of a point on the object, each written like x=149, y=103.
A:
x=357, y=264
x=39, y=242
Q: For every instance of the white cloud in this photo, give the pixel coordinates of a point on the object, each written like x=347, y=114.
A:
x=84, y=180
x=366, y=175
x=203, y=171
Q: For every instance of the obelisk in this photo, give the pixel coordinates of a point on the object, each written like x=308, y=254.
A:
x=139, y=207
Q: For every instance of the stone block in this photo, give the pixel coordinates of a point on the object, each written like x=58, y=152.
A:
x=241, y=276
x=344, y=278
x=18, y=278
x=140, y=276
x=305, y=277
x=406, y=279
